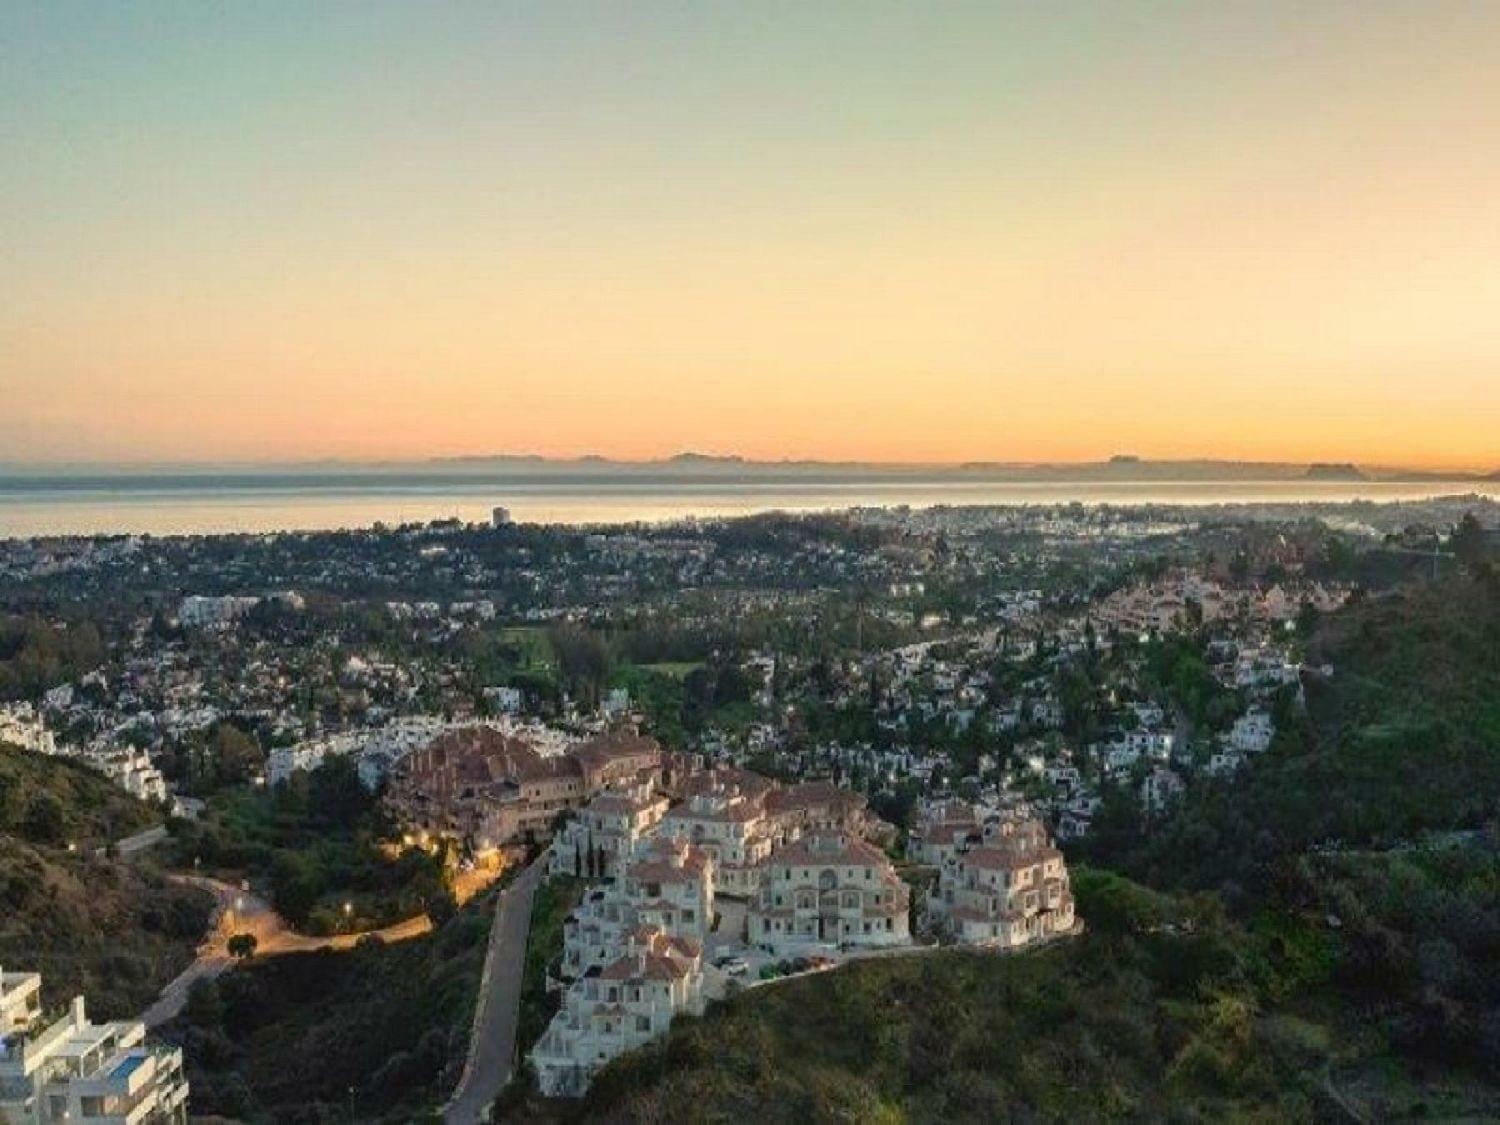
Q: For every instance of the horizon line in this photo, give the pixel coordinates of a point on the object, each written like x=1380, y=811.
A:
x=689, y=457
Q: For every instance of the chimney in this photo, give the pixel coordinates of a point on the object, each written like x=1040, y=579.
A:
x=80, y=1016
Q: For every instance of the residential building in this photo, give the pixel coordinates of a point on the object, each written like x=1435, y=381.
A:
x=615, y=1009
x=21, y=726
x=1008, y=888
x=668, y=884
x=61, y=1066
x=494, y=787
x=606, y=831
x=829, y=889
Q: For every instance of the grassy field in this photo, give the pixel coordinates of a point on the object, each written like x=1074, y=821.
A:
x=532, y=642
x=675, y=669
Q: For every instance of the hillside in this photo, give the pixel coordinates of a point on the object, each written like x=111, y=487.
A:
x=1402, y=739
x=113, y=930
x=1324, y=942
x=1165, y=1010
x=379, y=1032
x=53, y=801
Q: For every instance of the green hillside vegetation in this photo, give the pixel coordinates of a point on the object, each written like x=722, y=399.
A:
x=54, y=801
x=111, y=930
x=1166, y=1009
x=314, y=843
x=115, y=931
x=36, y=654
x=286, y=1038
x=1403, y=739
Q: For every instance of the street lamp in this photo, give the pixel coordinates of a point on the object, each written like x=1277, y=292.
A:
x=348, y=914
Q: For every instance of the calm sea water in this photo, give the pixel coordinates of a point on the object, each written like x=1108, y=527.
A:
x=200, y=503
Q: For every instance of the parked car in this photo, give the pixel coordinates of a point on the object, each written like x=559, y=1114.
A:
x=734, y=966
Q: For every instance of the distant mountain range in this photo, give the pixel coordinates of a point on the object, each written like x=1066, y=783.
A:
x=1123, y=467
x=690, y=465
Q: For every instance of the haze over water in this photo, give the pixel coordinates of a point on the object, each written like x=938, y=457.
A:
x=181, y=505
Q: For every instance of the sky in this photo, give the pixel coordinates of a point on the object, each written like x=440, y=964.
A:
x=898, y=232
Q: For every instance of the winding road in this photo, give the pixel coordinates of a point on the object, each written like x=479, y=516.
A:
x=240, y=912
x=492, y=1042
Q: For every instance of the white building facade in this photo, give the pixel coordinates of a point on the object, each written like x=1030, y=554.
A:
x=61, y=1066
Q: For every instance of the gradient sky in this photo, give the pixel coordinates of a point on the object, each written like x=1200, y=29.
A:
x=862, y=230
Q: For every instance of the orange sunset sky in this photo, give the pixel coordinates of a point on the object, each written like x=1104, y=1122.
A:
x=872, y=231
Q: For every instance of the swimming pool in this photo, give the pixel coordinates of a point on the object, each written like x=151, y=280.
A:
x=127, y=1066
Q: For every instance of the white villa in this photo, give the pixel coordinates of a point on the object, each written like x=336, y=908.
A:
x=618, y=1008
x=606, y=831
x=1252, y=732
x=1007, y=889
x=22, y=726
x=668, y=885
x=829, y=890
x=60, y=1066
x=131, y=769
x=732, y=826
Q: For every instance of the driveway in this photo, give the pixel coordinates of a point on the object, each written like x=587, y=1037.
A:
x=492, y=1043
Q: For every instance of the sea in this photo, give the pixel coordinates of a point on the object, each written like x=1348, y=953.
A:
x=191, y=503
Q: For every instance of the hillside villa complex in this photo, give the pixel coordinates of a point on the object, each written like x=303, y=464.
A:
x=806, y=879
x=683, y=857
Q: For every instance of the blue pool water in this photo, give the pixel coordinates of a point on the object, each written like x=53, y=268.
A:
x=127, y=1066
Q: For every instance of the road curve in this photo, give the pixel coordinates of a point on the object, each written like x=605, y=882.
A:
x=240, y=912
x=492, y=1042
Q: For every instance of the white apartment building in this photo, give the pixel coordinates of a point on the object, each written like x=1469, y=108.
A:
x=1252, y=732
x=199, y=612
x=61, y=1066
x=22, y=726
x=943, y=830
x=668, y=885
x=733, y=828
x=626, y=1004
x=1007, y=890
x=605, y=832
x=828, y=889
x=131, y=769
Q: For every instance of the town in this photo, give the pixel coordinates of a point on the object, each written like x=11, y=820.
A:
x=728, y=754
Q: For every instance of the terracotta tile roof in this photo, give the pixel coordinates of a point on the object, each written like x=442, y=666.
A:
x=827, y=850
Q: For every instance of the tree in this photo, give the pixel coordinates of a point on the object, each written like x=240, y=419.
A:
x=242, y=946
x=46, y=820
x=235, y=754
x=1469, y=542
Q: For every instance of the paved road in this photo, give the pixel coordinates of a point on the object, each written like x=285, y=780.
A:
x=240, y=912
x=492, y=1043
x=130, y=845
